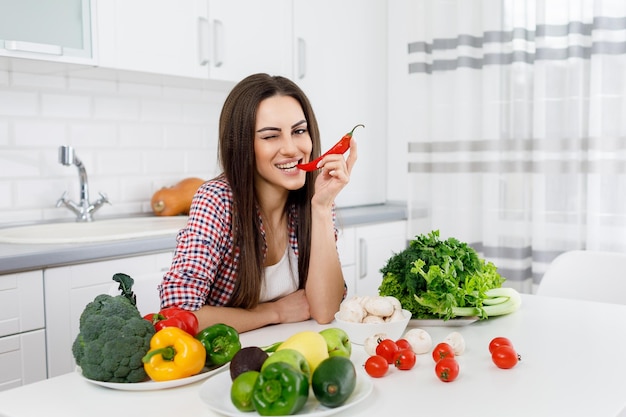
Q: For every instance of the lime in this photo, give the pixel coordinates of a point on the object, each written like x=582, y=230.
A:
x=241, y=390
x=333, y=381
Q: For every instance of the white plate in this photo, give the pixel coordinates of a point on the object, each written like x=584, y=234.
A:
x=153, y=385
x=456, y=322
x=216, y=394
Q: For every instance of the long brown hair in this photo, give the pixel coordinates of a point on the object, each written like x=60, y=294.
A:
x=236, y=154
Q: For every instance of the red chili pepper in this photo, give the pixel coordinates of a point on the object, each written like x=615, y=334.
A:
x=339, y=148
x=174, y=317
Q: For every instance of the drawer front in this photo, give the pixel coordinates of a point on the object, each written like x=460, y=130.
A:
x=22, y=359
x=21, y=302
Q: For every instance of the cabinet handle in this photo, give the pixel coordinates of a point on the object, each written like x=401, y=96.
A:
x=362, y=258
x=301, y=58
x=204, y=50
x=40, y=48
x=218, y=43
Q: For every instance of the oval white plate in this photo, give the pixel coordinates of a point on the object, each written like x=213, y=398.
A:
x=153, y=385
x=216, y=394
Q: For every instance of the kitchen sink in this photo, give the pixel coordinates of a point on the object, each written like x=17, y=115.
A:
x=95, y=231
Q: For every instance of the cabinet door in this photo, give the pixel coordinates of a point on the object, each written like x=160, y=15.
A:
x=21, y=302
x=349, y=276
x=250, y=36
x=22, y=334
x=69, y=289
x=55, y=30
x=154, y=36
x=340, y=62
x=375, y=245
x=22, y=359
x=346, y=242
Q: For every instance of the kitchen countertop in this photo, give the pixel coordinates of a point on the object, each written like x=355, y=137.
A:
x=25, y=257
x=565, y=370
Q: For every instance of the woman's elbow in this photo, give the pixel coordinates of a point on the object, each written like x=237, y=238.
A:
x=323, y=317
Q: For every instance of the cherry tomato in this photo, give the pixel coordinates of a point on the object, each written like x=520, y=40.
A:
x=499, y=341
x=403, y=344
x=387, y=348
x=505, y=357
x=376, y=366
x=447, y=369
x=405, y=359
x=442, y=350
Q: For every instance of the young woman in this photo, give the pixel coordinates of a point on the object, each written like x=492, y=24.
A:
x=260, y=244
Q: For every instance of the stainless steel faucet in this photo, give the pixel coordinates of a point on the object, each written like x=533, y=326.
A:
x=84, y=209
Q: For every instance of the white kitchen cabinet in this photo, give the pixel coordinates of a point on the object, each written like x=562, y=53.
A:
x=365, y=249
x=206, y=39
x=347, y=255
x=340, y=55
x=154, y=36
x=53, y=30
x=250, y=36
x=335, y=51
x=22, y=334
x=69, y=289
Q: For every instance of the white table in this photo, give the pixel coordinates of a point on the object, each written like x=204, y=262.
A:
x=573, y=364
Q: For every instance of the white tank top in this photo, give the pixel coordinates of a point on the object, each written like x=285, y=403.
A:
x=280, y=279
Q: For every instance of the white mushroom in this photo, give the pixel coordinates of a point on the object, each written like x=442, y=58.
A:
x=363, y=300
x=350, y=316
x=394, y=301
x=379, y=306
x=356, y=298
x=370, y=318
x=456, y=340
x=396, y=316
x=420, y=340
x=352, y=311
x=372, y=341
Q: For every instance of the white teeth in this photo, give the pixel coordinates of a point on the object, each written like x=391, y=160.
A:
x=287, y=166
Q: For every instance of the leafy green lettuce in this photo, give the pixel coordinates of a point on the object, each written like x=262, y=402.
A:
x=432, y=276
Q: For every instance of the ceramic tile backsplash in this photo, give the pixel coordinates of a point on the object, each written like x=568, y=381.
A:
x=61, y=105
x=18, y=103
x=133, y=137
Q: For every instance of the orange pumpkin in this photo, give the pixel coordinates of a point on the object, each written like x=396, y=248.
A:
x=175, y=200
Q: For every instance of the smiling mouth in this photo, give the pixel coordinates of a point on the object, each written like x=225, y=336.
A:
x=289, y=166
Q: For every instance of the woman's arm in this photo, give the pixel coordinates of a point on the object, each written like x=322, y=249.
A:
x=325, y=283
x=291, y=308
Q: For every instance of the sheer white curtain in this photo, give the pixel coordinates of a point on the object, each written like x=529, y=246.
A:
x=520, y=128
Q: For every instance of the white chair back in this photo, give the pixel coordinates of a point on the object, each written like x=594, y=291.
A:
x=586, y=275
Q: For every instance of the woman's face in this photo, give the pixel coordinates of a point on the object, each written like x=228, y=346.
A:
x=281, y=141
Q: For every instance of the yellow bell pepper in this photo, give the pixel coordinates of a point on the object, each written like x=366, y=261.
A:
x=173, y=354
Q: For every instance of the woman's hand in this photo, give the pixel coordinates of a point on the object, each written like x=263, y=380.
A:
x=334, y=175
x=292, y=308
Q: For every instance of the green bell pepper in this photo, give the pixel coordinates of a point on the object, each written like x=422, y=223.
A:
x=221, y=343
x=280, y=390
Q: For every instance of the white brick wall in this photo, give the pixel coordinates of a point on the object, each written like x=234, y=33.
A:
x=133, y=137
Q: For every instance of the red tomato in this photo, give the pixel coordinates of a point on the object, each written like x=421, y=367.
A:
x=447, y=369
x=405, y=359
x=499, y=341
x=403, y=344
x=387, y=349
x=505, y=357
x=442, y=350
x=376, y=366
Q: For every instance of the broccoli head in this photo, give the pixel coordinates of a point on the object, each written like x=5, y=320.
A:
x=113, y=339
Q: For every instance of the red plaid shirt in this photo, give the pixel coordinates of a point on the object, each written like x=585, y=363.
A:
x=204, y=268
